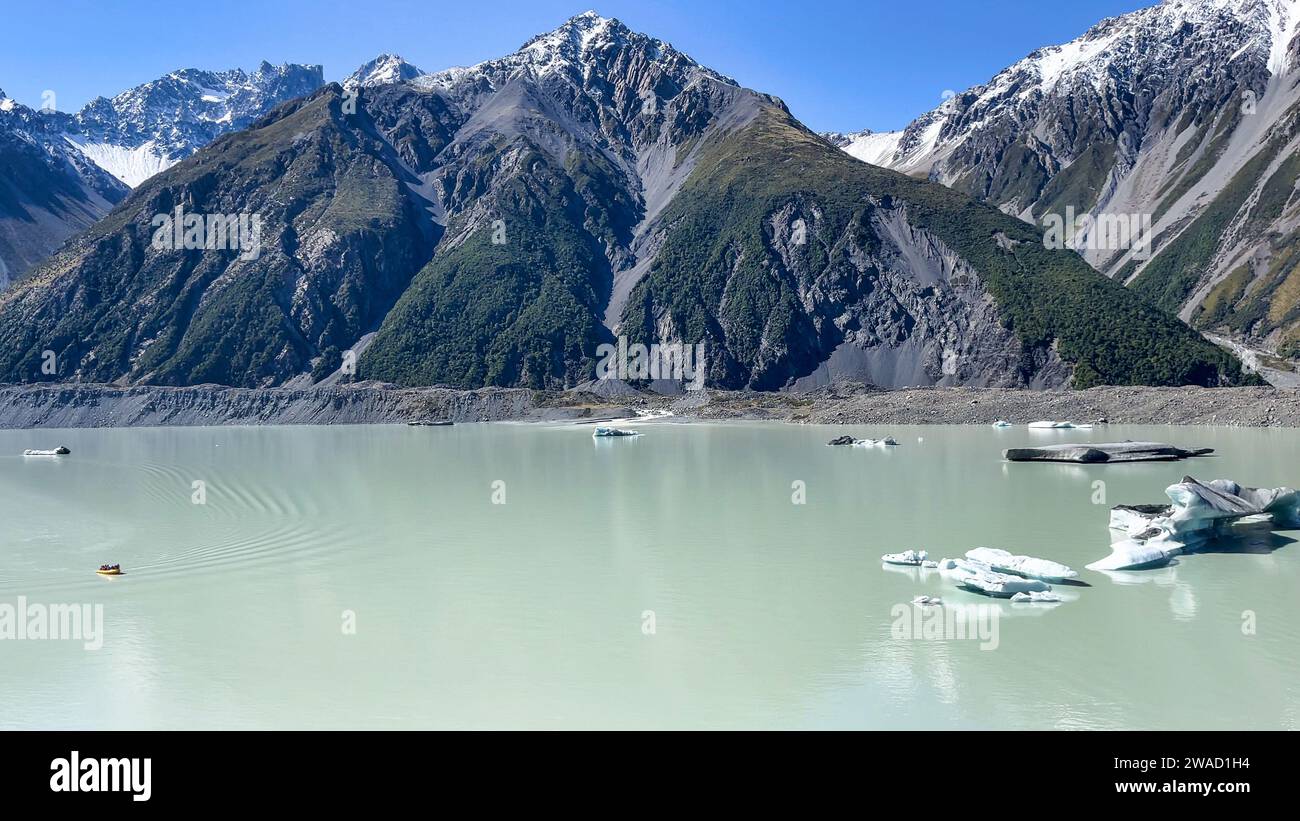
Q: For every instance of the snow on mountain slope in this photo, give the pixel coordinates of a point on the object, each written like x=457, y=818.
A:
x=130, y=165
x=1183, y=113
x=383, y=70
x=67, y=170
x=151, y=127
x=877, y=148
x=594, y=84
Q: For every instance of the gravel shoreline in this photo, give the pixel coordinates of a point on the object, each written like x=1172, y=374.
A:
x=84, y=405
x=1242, y=407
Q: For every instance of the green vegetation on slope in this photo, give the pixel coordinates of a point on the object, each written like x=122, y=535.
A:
x=113, y=308
x=1170, y=278
x=520, y=311
x=714, y=278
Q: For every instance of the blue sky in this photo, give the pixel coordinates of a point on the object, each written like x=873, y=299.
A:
x=839, y=64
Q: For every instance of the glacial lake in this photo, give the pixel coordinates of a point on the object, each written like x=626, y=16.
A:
x=363, y=577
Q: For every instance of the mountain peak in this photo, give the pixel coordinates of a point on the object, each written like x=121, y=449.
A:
x=573, y=36
x=582, y=46
x=383, y=70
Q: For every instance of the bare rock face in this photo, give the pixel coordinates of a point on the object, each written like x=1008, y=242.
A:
x=86, y=406
x=909, y=311
x=65, y=171
x=1183, y=114
x=497, y=225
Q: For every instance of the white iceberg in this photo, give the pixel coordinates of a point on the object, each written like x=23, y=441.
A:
x=1002, y=423
x=927, y=600
x=1199, y=512
x=1131, y=554
x=59, y=451
x=1005, y=562
x=603, y=432
x=1000, y=585
x=909, y=557
x=1048, y=424
x=1037, y=596
x=959, y=566
x=888, y=441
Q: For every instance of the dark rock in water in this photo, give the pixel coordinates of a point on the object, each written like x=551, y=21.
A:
x=1091, y=453
x=62, y=451
x=842, y=440
x=430, y=423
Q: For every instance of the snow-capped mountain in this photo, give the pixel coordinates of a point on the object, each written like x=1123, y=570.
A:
x=48, y=189
x=1185, y=113
x=500, y=224
x=70, y=169
x=384, y=69
x=152, y=127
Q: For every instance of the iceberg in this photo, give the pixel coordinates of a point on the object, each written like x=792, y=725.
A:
x=1002, y=423
x=603, y=432
x=1004, y=561
x=959, y=566
x=863, y=443
x=1103, y=453
x=1198, y=512
x=1133, y=554
x=909, y=557
x=1048, y=424
x=59, y=451
x=888, y=441
x=1038, y=596
x=1000, y=585
x=927, y=600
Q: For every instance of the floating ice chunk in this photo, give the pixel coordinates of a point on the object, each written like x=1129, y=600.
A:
x=927, y=600
x=1037, y=596
x=1199, y=512
x=960, y=566
x=603, y=432
x=1002, y=423
x=1103, y=453
x=929, y=565
x=59, y=451
x=910, y=557
x=1005, y=562
x=1133, y=554
x=1000, y=585
x=888, y=441
x=1048, y=424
